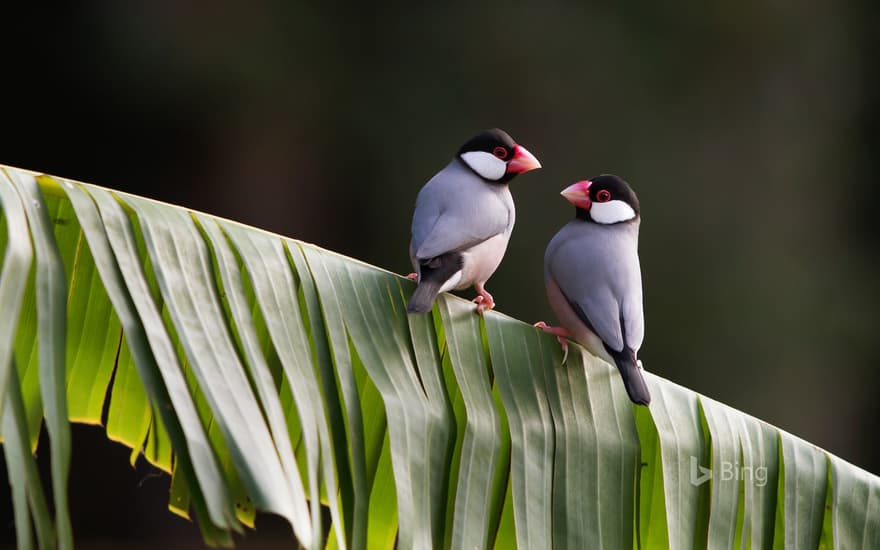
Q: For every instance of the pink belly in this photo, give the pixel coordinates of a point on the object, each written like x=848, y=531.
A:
x=570, y=320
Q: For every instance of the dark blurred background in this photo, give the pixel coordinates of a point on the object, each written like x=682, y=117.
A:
x=749, y=129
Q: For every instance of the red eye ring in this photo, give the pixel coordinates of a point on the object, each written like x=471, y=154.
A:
x=603, y=195
x=500, y=152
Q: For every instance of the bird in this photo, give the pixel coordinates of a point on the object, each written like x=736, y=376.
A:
x=463, y=218
x=594, y=281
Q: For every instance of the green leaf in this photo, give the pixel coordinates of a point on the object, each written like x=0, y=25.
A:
x=650, y=495
x=93, y=330
x=382, y=530
x=51, y=298
x=375, y=315
x=683, y=449
x=856, y=506
x=349, y=399
x=760, y=472
x=803, y=483
x=13, y=278
x=129, y=414
x=474, y=519
x=331, y=428
x=725, y=483
x=263, y=372
x=597, y=451
x=111, y=240
x=258, y=369
x=519, y=366
x=273, y=284
x=27, y=489
x=183, y=269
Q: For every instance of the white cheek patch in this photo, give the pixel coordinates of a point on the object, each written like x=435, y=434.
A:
x=486, y=164
x=615, y=211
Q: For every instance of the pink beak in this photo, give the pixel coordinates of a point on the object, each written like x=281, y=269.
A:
x=578, y=194
x=522, y=161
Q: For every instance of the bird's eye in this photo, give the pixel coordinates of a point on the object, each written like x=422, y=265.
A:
x=500, y=152
x=603, y=195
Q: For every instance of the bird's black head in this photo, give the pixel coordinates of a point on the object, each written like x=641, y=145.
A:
x=488, y=140
x=605, y=199
x=494, y=156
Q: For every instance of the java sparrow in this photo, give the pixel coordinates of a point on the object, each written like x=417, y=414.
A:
x=593, y=278
x=463, y=219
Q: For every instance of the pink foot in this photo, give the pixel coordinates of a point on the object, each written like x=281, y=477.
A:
x=484, y=301
x=413, y=276
x=561, y=333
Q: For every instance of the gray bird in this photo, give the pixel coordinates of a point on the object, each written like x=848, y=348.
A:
x=593, y=278
x=463, y=219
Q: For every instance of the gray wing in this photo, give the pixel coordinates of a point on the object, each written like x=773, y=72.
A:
x=633, y=311
x=456, y=210
x=597, y=268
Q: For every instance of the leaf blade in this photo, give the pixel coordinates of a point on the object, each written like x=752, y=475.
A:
x=111, y=240
x=182, y=265
x=52, y=333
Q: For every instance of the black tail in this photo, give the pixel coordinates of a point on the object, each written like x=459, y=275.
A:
x=631, y=373
x=434, y=273
x=423, y=298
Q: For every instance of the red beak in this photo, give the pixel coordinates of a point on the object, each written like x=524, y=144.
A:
x=578, y=194
x=522, y=161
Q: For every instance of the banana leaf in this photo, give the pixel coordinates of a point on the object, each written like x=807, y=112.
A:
x=267, y=374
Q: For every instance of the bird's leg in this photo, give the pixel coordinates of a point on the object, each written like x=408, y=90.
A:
x=561, y=333
x=413, y=276
x=484, y=301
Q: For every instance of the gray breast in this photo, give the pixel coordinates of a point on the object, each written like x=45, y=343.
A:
x=597, y=267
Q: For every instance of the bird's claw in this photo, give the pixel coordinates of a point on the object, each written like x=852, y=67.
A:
x=560, y=333
x=564, y=344
x=484, y=302
x=413, y=276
